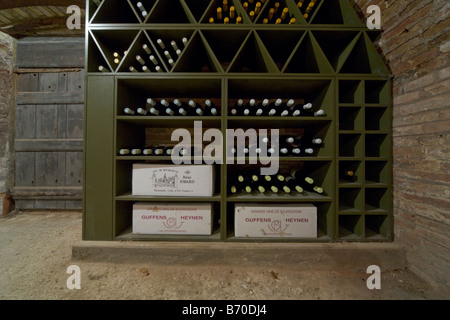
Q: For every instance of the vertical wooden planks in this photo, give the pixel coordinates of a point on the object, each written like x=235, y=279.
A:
x=49, y=124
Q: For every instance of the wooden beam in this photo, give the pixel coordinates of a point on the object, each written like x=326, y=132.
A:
x=9, y=4
x=72, y=97
x=50, y=53
x=48, y=145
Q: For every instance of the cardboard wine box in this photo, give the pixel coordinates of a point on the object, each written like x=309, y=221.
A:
x=275, y=220
x=172, y=218
x=172, y=180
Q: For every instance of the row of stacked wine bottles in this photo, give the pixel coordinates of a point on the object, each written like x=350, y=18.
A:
x=181, y=107
x=232, y=51
x=223, y=11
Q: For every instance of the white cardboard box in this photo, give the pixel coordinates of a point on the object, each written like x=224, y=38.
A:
x=274, y=220
x=172, y=218
x=172, y=180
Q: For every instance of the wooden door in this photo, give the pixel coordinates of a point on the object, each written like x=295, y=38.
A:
x=49, y=136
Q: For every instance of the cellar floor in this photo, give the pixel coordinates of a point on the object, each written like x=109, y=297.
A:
x=38, y=247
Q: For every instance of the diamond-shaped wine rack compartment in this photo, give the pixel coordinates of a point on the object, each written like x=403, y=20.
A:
x=276, y=12
x=233, y=49
x=243, y=51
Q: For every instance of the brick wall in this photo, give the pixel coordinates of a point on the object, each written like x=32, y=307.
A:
x=7, y=93
x=416, y=44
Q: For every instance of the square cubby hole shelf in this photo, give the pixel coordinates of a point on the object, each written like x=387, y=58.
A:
x=377, y=172
x=351, y=172
x=350, y=227
x=377, y=145
x=350, y=92
x=350, y=145
x=377, y=200
x=377, y=119
x=377, y=227
x=350, y=200
x=377, y=92
x=350, y=118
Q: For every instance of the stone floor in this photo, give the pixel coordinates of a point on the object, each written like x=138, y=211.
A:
x=37, y=249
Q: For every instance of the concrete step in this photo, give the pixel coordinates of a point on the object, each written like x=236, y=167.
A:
x=340, y=257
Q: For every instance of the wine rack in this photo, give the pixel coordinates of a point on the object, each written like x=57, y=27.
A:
x=326, y=58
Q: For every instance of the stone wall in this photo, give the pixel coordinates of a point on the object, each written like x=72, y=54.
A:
x=416, y=45
x=7, y=125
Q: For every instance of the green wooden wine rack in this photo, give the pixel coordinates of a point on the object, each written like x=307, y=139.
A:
x=328, y=59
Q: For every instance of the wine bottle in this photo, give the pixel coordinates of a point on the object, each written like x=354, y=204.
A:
x=140, y=60
x=199, y=111
x=232, y=15
x=319, y=113
x=249, y=107
x=169, y=112
x=147, y=151
x=314, y=188
x=150, y=102
x=259, y=187
x=296, y=110
x=142, y=111
x=124, y=152
x=248, y=188
x=153, y=60
x=301, y=177
x=182, y=107
x=349, y=175
x=117, y=57
x=102, y=69
x=146, y=49
x=274, y=107
x=156, y=108
x=136, y=151
x=307, y=109
x=191, y=107
x=163, y=105
x=142, y=9
x=210, y=108
x=234, y=189
x=237, y=108
x=288, y=139
x=238, y=181
x=261, y=109
x=285, y=108
x=300, y=3
x=162, y=151
x=292, y=183
x=129, y=111
x=168, y=55
x=161, y=44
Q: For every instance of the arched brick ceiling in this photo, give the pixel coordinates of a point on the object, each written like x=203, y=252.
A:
x=25, y=18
